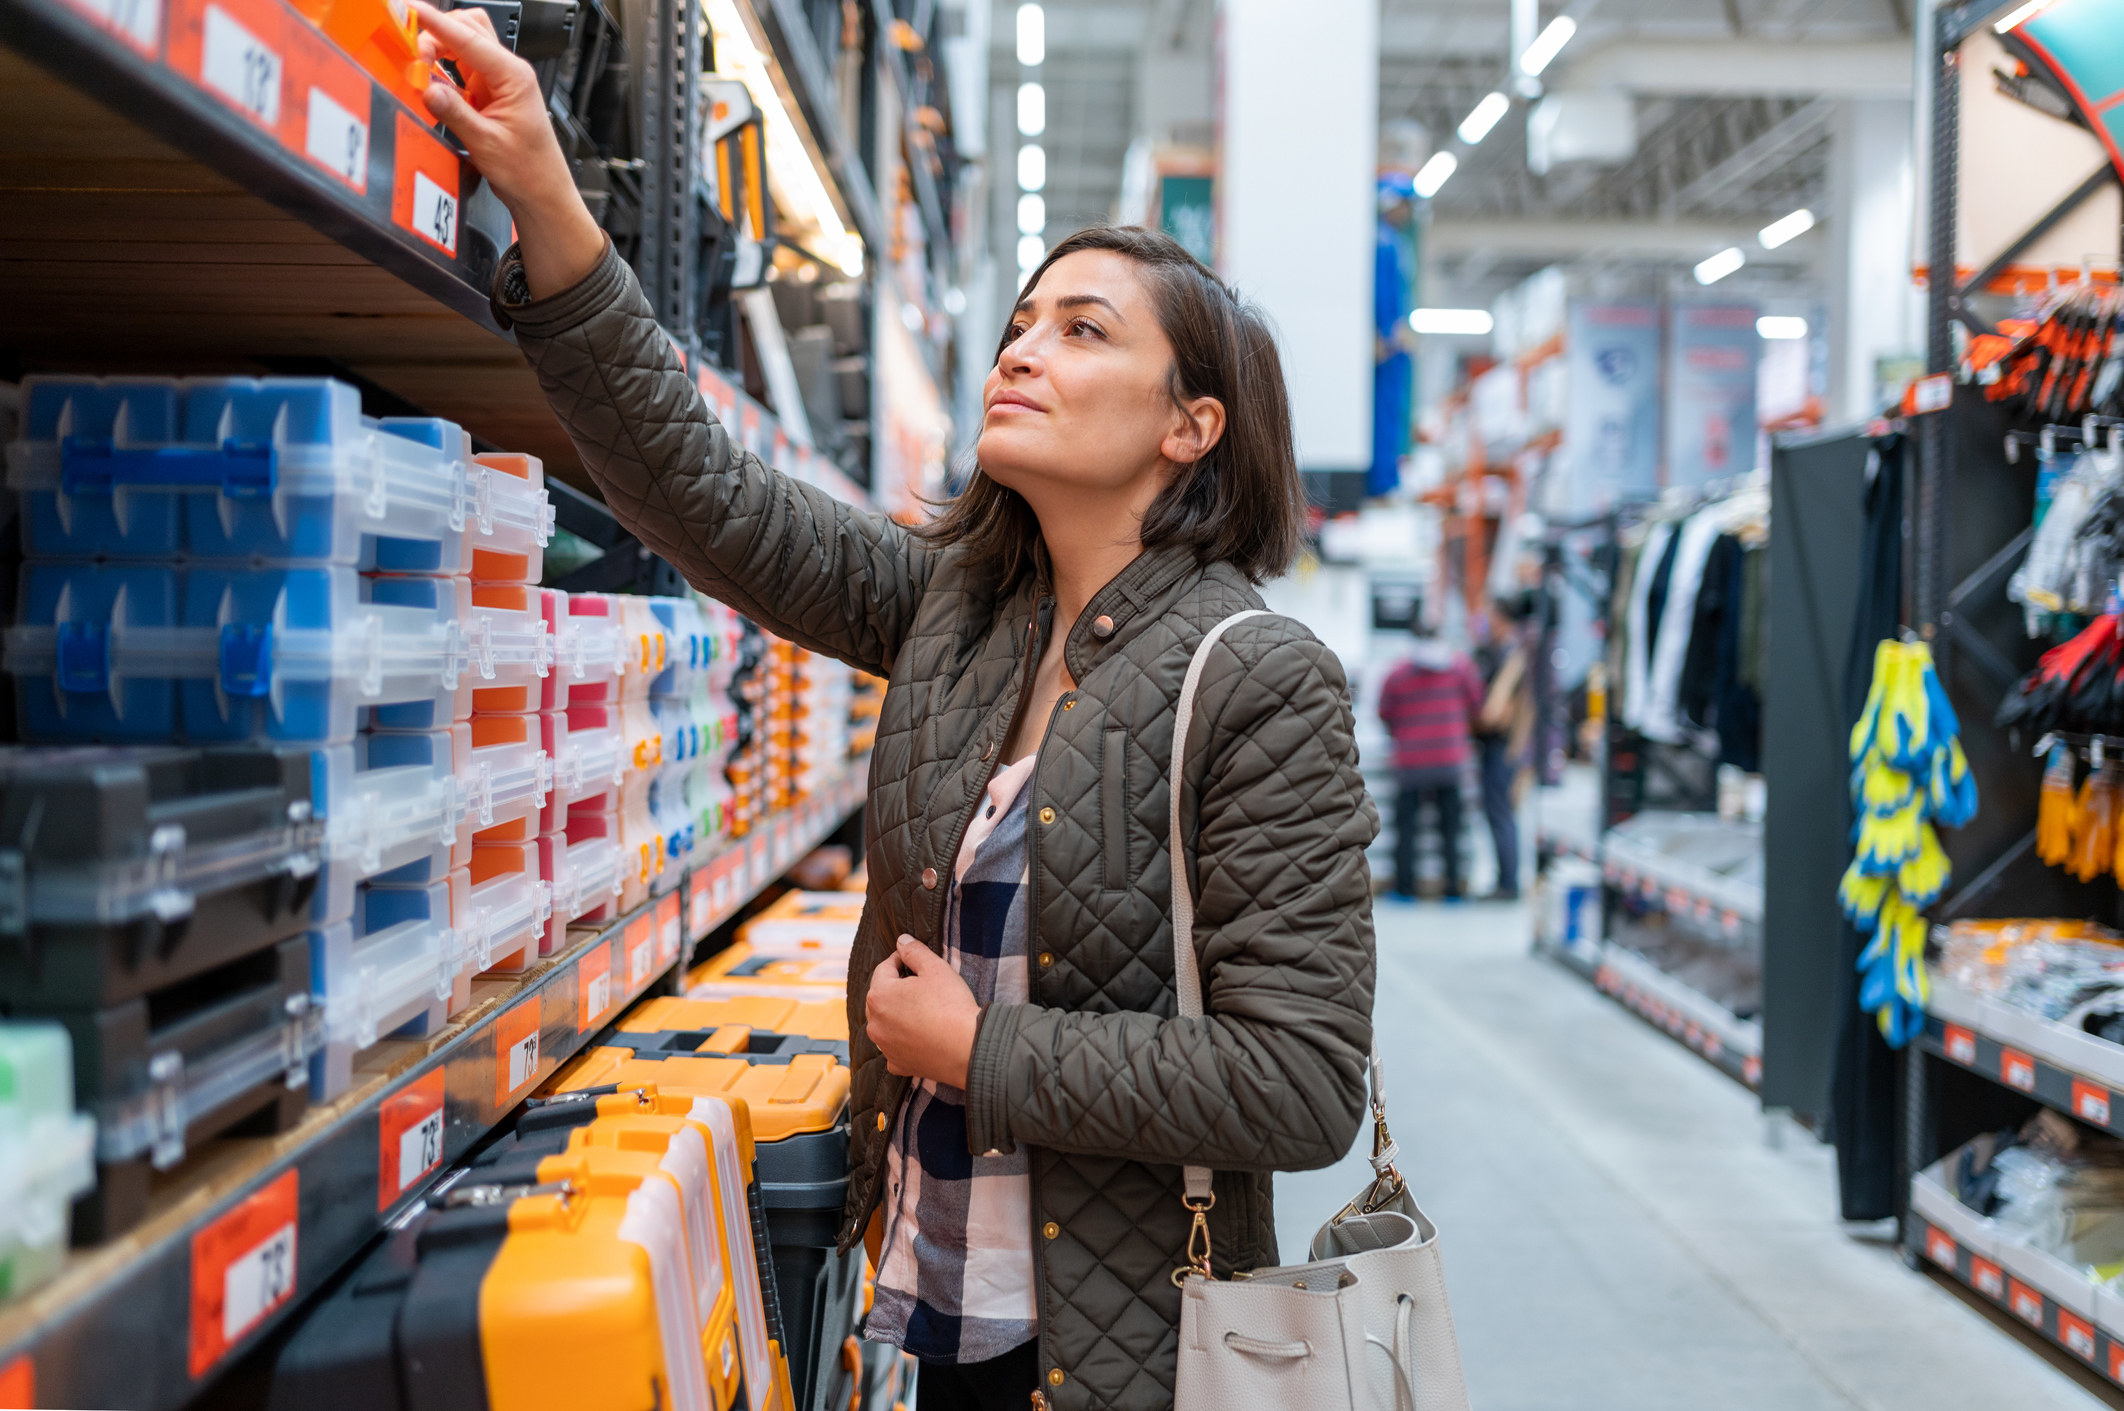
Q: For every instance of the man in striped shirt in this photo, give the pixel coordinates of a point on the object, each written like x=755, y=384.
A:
x=1426, y=704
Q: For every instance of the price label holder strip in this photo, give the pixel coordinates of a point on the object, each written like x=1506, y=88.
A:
x=348, y=1168
x=251, y=89
x=2012, y=1065
x=1694, y=1020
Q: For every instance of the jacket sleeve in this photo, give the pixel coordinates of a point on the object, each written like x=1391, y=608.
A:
x=822, y=573
x=1271, y=1077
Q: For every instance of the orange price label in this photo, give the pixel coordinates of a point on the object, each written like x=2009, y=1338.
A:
x=670, y=920
x=243, y=1268
x=2090, y=1102
x=2076, y=1333
x=700, y=910
x=410, y=1137
x=2116, y=1361
x=18, y=1383
x=593, y=984
x=640, y=944
x=515, y=1052
x=1988, y=1277
x=424, y=186
x=328, y=121
x=2026, y=1303
x=1939, y=1247
x=1751, y=1070
x=2017, y=1070
x=1960, y=1045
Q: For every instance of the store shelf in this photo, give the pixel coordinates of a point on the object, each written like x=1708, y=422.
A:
x=1679, y=887
x=2053, y=1298
x=2064, y=1068
x=1734, y=1044
x=147, y=1320
x=149, y=223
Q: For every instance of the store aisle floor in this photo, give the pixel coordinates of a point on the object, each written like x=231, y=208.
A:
x=1618, y=1233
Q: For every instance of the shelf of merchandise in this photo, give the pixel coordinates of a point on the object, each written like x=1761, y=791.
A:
x=1730, y=1043
x=2074, y=1072
x=1681, y=888
x=2053, y=1298
x=252, y=1227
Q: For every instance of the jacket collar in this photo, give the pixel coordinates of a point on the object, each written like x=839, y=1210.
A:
x=1141, y=585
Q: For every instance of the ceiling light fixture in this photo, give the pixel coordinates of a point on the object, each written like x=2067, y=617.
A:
x=1786, y=228
x=1781, y=326
x=1031, y=250
x=1435, y=173
x=1547, y=45
x=2020, y=15
x=1032, y=214
x=1720, y=265
x=1032, y=167
x=1032, y=35
x=1468, y=323
x=1484, y=116
x=1032, y=109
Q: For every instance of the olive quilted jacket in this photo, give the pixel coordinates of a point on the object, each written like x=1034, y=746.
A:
x=1095, y=1074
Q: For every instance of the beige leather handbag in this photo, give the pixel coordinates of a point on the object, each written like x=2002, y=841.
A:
x=1366, y=1325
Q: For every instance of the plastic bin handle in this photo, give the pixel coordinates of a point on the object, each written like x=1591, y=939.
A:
x=243, y=470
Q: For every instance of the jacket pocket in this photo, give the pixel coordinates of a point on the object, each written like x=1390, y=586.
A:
x=1113, y=806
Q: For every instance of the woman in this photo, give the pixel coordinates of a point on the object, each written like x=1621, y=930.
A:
x=1024, y=1100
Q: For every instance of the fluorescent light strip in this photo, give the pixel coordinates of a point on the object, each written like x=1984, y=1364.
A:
x=1720, y=265
x=1781, y=326
x=795, y=182
x=1435, y=173
x=1547, y=45
x=1032, y=36
x=1485, y=115
x=1468, y=323
x=1786, y=228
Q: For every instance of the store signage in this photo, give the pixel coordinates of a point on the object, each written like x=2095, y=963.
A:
x=516, y=1051
x=1939, y=1247
x=1611, y=414
x=243, y=1268
x=1712, y=351
x=2076, y=1333
x=138, y=23
x=424, y=191
x=2026, y=1303
x=1988, y=1277
x=1960, y=1045
x=593, y=986
x=2017, y=1070
x=409, y=1137
x=640, y=941
x=2090, y=1102
x=669, y=921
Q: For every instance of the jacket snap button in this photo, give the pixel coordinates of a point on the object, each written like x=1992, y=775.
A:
x=1050, y=1229
x=1102, y=627
x=881, y=1121
x=1047, y=957
x=929, y=878
x=1070, y=704
x=1047, y=815
x=1054, y=1376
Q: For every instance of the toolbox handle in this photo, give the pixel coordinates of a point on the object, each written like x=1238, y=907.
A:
x=241, y=470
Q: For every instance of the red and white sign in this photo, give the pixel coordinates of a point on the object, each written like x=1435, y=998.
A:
x=1988, y=1277
x=2090, y=1102
x=516, y=1051
x=410, y=1137
x=670, y=921
x=424, y=190
x=2076, y=1333
x=593, y=985
x=2017, y=1070
x=640, y=944
x=2026, y=1303
x=1939, y=1247
x=1961, y=1045
x=700, y=910
x=243, y=1268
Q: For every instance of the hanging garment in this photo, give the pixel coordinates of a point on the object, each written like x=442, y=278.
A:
x=1661, y=719
x=1863, y=1111
x=1717, y=604
x=1736, y=707
x=1652, y=561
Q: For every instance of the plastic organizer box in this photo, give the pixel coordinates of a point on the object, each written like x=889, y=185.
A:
x=47, y=1153
x=221, y=656
x=267, y=470
x=127, y=869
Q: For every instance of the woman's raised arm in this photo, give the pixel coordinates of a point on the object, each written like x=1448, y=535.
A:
x=810, y=568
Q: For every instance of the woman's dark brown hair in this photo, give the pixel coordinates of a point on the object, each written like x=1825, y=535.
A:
x=1241, y=503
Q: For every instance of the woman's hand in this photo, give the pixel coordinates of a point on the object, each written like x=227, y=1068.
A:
x=922, y=1021
x=501, y=118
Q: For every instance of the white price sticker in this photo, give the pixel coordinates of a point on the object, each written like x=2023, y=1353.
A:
x=523, y=1060
x=256, y=1281
x=337, y=140
x=434, y=212
x=420, y=1145
x=641, y=961
x=700, y=909
x=236, y=64
x=600, y=991
x=137, y=20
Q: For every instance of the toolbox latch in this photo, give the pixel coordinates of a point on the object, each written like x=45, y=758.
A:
x=241, y=470
x=246, y=658
x=84, y=650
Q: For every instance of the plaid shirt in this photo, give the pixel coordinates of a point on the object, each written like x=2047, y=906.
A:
x=955, y=1275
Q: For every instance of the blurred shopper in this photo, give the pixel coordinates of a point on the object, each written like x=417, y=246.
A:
x=1023, y=1095
x=1427, y=704
x=1503, y=727
x=1393, y=369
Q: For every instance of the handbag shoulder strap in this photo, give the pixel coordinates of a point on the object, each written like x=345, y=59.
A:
x=1187, y=969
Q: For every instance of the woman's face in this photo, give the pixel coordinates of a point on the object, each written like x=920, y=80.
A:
x=1079, y=406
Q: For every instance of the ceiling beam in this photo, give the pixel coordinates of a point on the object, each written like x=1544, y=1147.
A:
x=1563, y=238
x=1872, y=68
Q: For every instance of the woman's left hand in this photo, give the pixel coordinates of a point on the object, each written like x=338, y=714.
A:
x=923, y=1021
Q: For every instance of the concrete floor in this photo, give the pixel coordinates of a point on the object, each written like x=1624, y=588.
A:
x=1618, y=1232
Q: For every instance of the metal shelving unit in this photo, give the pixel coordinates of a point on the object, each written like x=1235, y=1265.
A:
x=240, y=1237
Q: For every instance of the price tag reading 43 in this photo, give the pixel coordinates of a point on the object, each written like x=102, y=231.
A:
x=243, y=1268
x=410, y=1136
x=424, y=193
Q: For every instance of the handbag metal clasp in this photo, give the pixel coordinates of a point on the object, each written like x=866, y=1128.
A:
x=1387, y=1184
x=1198, y=1240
